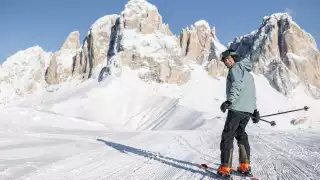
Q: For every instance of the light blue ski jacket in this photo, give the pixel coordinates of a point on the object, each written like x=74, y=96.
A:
x=240, y=87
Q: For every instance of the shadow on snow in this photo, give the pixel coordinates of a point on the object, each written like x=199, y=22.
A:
x=176, y=163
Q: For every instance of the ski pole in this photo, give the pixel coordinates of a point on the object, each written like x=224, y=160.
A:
x=272, y=123
x=305, y=108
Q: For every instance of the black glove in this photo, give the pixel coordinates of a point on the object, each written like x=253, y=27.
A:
x=225, y=105
x=255, y=116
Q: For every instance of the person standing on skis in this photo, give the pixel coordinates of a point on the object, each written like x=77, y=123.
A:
x=241, y=104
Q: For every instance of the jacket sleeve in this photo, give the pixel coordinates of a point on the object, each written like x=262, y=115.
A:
x=236, y=78
x=255, y=96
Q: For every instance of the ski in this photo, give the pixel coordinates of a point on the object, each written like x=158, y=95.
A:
x=234, y=172
x=206, y=169
x=237, y=173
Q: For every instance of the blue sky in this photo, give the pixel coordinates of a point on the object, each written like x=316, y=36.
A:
x=48, y=23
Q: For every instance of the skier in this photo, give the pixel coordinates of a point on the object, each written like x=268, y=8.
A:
x=241, y=104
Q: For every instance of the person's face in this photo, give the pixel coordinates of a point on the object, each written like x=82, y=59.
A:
x=229, y=61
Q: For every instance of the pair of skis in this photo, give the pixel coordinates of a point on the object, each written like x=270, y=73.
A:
x=208, y=170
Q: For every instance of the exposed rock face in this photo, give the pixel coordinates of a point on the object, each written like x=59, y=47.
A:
x=148, y=44
x=282, y=51
x=72, y=41
x=196, y=41
x=100, y=38
x=160, y=59
x=61, y=64
x=51, y=72
x=138, y=34
x=143, y=16
x=72, y=60
x=95, y=47
x=200, y=44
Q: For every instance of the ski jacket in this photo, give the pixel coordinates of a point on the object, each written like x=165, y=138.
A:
x=240, y=87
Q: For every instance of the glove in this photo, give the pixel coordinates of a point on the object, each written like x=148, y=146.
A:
x=255, y=116
x=225, y=105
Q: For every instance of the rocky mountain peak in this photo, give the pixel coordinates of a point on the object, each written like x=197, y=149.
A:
x=143, y=16
x=277, y=17
x=199, y=43
x=283, y=52
x=72, y=41
x=22, y=73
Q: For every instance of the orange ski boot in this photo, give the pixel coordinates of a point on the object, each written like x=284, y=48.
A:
x=224, y=171
x=245, y=169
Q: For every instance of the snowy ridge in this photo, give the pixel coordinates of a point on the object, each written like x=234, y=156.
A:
x=272, y=19
x=157, y=45
x=102, y=23
x=64, y=60
x=278, y=16
x=22, y=73
x=137, y=8
x=286, y=16
x=199, y=23
x=202, y=23
x=219, y=48
x=128, y=102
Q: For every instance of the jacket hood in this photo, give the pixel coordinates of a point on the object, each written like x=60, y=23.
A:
x=246, y=64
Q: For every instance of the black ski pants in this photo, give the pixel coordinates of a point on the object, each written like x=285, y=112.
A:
x=234, y=127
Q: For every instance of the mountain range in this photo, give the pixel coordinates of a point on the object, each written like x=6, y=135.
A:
x=138, y=38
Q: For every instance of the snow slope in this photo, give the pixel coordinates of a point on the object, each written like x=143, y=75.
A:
x=128, y=100
x=124, y=128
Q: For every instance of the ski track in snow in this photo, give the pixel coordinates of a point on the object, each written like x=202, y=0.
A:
x=99, y=153
x=284, y=162
x=162, y=155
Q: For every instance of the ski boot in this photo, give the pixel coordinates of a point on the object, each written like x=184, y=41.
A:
x=224, y=172
x=245, y=169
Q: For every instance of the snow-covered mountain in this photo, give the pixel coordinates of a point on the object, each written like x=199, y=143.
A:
x=61, y=67
x=148, y=44
x=157, y=115
x=137, y=37
x=23, y=74
x=284, y=53
x=200, y=44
